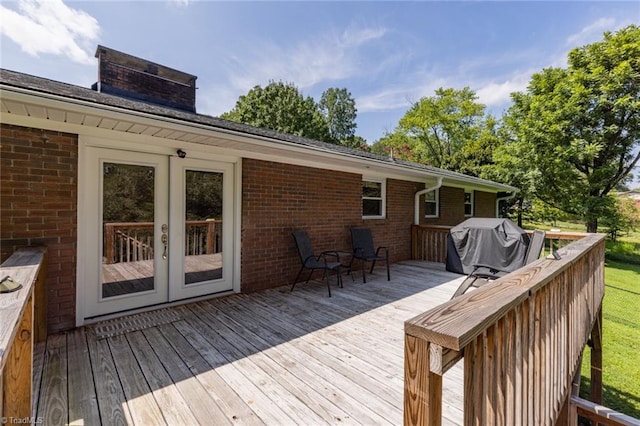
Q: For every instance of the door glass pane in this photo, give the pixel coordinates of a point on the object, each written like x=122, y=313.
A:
x=203, y=226
x=127, y=218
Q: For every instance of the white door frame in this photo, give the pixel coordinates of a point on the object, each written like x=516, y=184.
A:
x=87, y=189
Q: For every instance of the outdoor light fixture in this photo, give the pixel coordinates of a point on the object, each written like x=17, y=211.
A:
x=181, y=153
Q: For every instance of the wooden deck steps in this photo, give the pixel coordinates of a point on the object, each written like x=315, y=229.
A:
x=274, y=357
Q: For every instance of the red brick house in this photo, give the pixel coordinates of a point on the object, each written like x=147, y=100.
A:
x=133, y=192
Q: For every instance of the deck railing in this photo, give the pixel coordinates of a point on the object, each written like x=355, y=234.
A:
x=23, y=321
x=521, y=338
x=429, y=242
x=133, y=241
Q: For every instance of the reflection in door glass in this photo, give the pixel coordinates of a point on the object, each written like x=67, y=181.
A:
x=203, y=226
x=127, y=218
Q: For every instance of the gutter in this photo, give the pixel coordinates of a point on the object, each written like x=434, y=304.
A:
x=424, y=191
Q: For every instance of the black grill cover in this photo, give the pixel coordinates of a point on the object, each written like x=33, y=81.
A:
x=496, y=242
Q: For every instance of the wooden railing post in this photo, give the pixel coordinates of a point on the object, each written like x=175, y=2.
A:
x=595, y=394
x=211, y=236
x=26, y=266
x=422, y=388
x=17, y=374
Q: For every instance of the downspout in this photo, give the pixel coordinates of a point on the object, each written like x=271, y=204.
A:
x=508, y=197
x=417, y=198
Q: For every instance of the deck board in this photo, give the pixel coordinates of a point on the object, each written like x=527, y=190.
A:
x=273, y=357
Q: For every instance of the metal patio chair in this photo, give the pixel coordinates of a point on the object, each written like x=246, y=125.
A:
x=363, y=250
x=482, y=274
x=314, y=262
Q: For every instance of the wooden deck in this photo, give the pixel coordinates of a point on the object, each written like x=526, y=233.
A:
x=274, y=357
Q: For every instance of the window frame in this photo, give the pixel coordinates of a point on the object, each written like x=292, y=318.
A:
x=436, y=201
x=382, y=198
x=471, y=193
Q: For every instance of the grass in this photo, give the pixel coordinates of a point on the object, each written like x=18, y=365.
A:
x=621, y=340
x=620, y=322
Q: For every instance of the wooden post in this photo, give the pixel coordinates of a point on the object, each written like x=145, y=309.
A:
x=211, y=236
x=40, y=303
x=422, y=388
x=595, y=393
x=109, y=243
x=17, y=374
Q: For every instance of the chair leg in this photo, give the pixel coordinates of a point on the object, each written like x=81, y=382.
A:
x=326, y=278
x=388, y=272
x=309, y=277
x=373, y=265
x=350, y=270
x=297, y=277
x=364, y=277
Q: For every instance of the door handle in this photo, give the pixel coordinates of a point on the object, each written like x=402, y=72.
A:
x=165, y=241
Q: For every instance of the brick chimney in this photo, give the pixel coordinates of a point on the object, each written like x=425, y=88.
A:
x=130, y=77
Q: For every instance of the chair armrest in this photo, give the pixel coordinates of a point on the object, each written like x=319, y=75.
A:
x=380, y=248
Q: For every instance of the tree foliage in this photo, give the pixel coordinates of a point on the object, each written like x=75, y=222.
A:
x=280, y=106
x=575, y=131
x=439, y=131
x=623, y=217
x=339, y=110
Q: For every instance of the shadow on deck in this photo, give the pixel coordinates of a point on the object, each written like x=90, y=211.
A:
x=271, y=357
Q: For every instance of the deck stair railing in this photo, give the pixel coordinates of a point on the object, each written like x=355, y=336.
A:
x=521, y=339
x=133, y=241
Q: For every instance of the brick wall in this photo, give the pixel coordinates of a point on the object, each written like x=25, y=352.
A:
x=452, y=207
x=38, y=199
x=280, y=198
x=484, y=204
x=131, y=83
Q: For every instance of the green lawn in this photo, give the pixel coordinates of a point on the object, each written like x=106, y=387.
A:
x=620, y=340
x=620, y=322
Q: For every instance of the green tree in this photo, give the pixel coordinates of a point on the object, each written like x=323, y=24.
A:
x=280, y=107
x=436, y=129
x=576, y=129
x=623, y=216
x=339, y=110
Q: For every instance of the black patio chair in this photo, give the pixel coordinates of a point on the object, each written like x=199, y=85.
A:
x=312, y=262
x=363, y=250
x=482, y=274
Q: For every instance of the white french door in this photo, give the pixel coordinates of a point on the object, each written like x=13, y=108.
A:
x=201, y=232
x=159, y=229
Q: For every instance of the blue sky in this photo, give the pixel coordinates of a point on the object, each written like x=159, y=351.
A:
x=387, y=54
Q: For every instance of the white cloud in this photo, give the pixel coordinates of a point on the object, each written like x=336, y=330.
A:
x=328, y=57
x=50, y=26
x=180, y=3
x=591, y=33
x=494, y=93
x=401, y=97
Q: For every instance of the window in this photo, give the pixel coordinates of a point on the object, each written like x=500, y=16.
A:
x=468, y=203
x=373, y=193
x=431, y=202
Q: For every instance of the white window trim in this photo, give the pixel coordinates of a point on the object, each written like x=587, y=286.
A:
x=472, y=192
x=383, y=198
x=437, y=201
